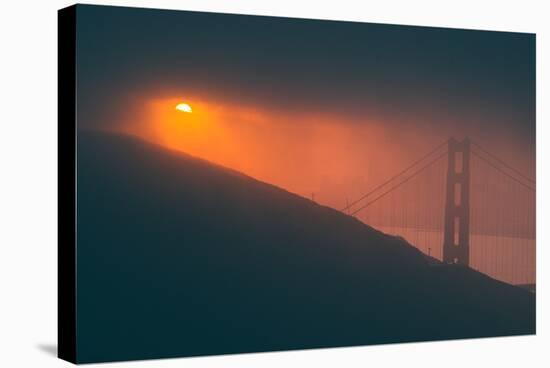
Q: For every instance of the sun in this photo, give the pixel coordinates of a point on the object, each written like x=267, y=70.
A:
x=184, y=107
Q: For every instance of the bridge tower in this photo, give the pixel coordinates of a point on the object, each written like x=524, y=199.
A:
x=456, y=239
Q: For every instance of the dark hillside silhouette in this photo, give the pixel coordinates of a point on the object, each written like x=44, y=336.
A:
x=176, y=254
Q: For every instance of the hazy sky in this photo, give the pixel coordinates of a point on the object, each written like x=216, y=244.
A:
x=333, y=97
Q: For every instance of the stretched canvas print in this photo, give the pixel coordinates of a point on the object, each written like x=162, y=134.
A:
x=233, y=183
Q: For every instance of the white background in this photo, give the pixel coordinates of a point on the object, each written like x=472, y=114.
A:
x=28, y=182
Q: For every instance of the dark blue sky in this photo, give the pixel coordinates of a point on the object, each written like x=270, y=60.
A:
x=475, y=82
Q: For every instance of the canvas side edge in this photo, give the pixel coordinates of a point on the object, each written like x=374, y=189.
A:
x=66, y=151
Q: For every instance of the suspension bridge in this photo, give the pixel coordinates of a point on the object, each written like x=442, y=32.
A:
x=460, y=204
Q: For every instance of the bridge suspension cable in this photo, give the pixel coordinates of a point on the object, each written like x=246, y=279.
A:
x=348, y=207
x=400, y=184
x=501, y=169
x=494, y=157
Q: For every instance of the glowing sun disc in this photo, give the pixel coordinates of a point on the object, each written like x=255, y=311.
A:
x=184, y=107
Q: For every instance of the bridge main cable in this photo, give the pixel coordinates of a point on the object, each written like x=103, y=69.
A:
x=502, y=171
x=494, y=157
x=438, y=147
x=401, y=183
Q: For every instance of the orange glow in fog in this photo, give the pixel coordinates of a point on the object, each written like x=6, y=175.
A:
x=206, y=130
x=300, y=151
x=196, y=133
